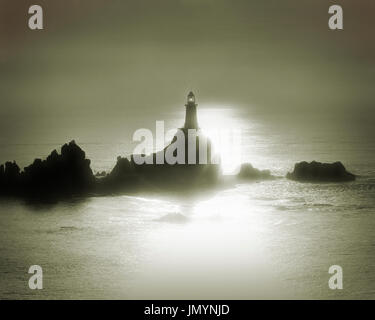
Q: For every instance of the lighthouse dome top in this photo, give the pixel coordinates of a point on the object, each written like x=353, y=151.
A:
x=191, y=97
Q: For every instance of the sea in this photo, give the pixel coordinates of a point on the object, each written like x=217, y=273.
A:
x=273, y=239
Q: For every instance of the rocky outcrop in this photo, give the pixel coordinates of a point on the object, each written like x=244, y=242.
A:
x=122, y=170
x=9, y=177
x=69, y=173
x=123, y=177
x=320, y=172
x=192, y=169
x=60, y=174
x=247, y=171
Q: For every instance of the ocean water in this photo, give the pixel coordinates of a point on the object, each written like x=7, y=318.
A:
x=246, y=240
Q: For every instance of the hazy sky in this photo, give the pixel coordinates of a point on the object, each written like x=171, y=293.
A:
x=127, y=58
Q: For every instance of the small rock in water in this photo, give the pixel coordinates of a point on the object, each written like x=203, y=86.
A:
x=320, y=172
x=247, y=171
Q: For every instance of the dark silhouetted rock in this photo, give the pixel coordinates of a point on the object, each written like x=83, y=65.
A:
x=68, y=173
x=123, y=169
x=59, y=175
x=247, y=171
x=180, y=175
x=320, y=172
x=9, y=177
x=123, y=177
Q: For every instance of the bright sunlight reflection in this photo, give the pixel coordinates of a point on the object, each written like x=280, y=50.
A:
x=224, y=130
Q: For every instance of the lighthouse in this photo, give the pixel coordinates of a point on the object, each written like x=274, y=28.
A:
x=191, y=121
